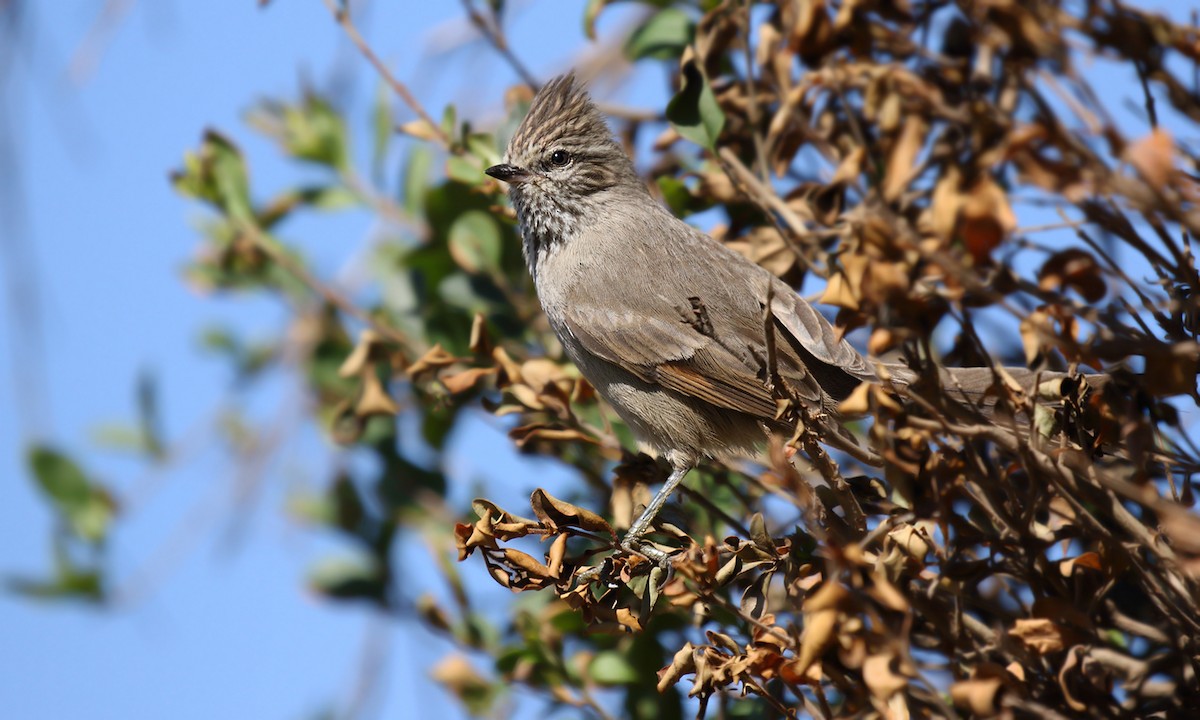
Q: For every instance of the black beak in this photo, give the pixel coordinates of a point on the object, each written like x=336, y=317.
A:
x=507, y=173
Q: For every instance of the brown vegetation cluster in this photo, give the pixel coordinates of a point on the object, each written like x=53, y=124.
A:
x=1042, y=561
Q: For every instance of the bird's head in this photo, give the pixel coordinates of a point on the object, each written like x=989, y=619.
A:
x=561, y=162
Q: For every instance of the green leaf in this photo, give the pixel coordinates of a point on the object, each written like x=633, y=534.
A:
x=590, y=13
x=118, y=436
x=610, y=667
x=675, y=193
x=348, y=579
x=663, y=36
x=60, y=478
x=311, y=508
x=450, y=121
x=464, y=170
x=314, y=131
x=416, y=178
x=216, y=174
x=85, y=506
x=694, y=112
x=483, y=146
x=328, y=197
x=475, y=242
x=348, y=504
x=148, y=416
x=69, y=584
x=382, y=122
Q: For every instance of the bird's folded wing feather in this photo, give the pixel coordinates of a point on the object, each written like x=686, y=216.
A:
x=674, y=355
x=814, y=333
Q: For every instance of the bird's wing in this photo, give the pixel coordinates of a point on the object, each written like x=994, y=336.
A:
x=815, y=335
x=674, y=354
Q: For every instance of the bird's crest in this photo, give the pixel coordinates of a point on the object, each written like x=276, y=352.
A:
x=561, y=112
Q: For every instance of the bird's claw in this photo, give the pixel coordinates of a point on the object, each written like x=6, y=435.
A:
x=638, y=546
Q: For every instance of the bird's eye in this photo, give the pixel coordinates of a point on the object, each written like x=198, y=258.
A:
x=560, y=158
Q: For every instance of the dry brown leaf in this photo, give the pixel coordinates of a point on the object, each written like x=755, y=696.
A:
x=821, y=611
x=883, y=681
x=421, y=130
x=456, y=673
x=912, y=540
x=858, y=402
x=844, y=289
x=465, y=380
x=819, y=634
x=882, y=340
x=511, y=371
x=556, y=554
x=628, y=620
x=885, y=282
x=374, y=399
x=1169, y=372
x=766, y=247
x=1153, y=157
x=839, y=293
x=1035, y=329
x=435, y=358
x=850, y=167
x=944, y=204
x=1038, y=635
x=555, y=513
x=903, y=157
x=481, y=341
x=356, y=362
x=1073, y=268
x=986, y=218
x=810, y=30
x=535, y=432
x=1088, y=560
x=682, y=663
x=887, y=594
x=978, y=695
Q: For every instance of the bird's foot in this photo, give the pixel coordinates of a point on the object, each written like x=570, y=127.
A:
x=638, y=546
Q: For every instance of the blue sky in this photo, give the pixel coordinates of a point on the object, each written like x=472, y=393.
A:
x=217, y=629
x=212, y=628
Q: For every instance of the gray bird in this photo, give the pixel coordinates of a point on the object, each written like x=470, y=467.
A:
x=667, y=323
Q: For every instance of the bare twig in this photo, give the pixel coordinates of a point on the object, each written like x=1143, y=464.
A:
x=343, y=19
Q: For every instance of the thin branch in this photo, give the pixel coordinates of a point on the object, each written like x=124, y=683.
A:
x=796, y=233
x=494, y=34
x=331, y=296
x=343, y=19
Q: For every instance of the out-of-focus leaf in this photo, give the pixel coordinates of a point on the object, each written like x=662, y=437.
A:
x=460, y=678
x=590, y=13
x=465, y=170
x=316, y=132
x=416, y=178
x=69, y=583
x=610, y=667
x=483, y=146
x=216, y=173
x=118, y=436
x=148, y=415
x=87, y=507
x=663, y=36
x=381, y=128
x=475, y=242
x=450, y=121
x=1076, y=269
x=675, y=193
x=348, y=579
x=694, y=112
x=347, y=503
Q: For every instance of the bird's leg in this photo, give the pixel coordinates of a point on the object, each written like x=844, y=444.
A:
x=633, y=538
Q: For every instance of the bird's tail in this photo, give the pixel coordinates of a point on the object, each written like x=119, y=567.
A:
x=982, y=386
